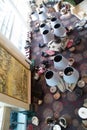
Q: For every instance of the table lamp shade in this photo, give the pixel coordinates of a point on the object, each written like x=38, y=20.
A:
x=54, y=21
x=59, y=30
x=60, y=62
x=47, y=36
x=34, y=16
x=44, y=27
x=51, y=78
x=42, y=16
x=43, y=8
x=71, y=75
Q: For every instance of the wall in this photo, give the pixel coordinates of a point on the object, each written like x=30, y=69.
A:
x=6, y=118
x=80, y=10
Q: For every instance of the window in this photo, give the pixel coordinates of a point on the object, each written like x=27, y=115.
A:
x=13, y=21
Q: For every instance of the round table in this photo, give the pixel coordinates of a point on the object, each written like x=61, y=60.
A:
x=57, y=127
x=53, y=89
x=83, y=112
x=56, y=95
x=81, y=83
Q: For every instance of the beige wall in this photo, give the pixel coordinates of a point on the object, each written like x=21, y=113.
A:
x=6, y=118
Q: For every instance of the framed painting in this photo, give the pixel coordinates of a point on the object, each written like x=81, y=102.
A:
x=15, y=76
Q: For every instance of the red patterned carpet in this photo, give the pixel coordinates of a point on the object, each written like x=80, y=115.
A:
x=69, y=102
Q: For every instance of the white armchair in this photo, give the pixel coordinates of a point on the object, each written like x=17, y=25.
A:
x=35, y=120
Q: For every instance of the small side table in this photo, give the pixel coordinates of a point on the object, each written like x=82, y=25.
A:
x=56, y=95
x=82, y=112
x=53, y=89
x=81, y=83
x=57, y=127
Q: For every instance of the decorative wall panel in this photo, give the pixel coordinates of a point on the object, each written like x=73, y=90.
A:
x=13, y=76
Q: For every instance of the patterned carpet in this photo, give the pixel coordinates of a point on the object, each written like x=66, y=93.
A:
x=69, y=102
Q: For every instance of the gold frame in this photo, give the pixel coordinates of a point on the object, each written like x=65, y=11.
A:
x=16, y=86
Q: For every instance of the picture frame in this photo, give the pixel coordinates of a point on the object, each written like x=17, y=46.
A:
x=15, y=75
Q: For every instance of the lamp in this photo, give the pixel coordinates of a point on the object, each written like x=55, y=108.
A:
x=51, y=78
x=54, y=21
x=44, y=27
x=47, y=36
x=42, y=16
x=34, y=16
x=71, y=75
x=43, y=8
x=60, y=62
x=59, y=30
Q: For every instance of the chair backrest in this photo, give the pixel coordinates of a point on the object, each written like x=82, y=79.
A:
x=63, y=122
x=35, y=120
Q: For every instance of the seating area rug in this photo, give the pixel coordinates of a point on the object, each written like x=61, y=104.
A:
x=69, y=102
